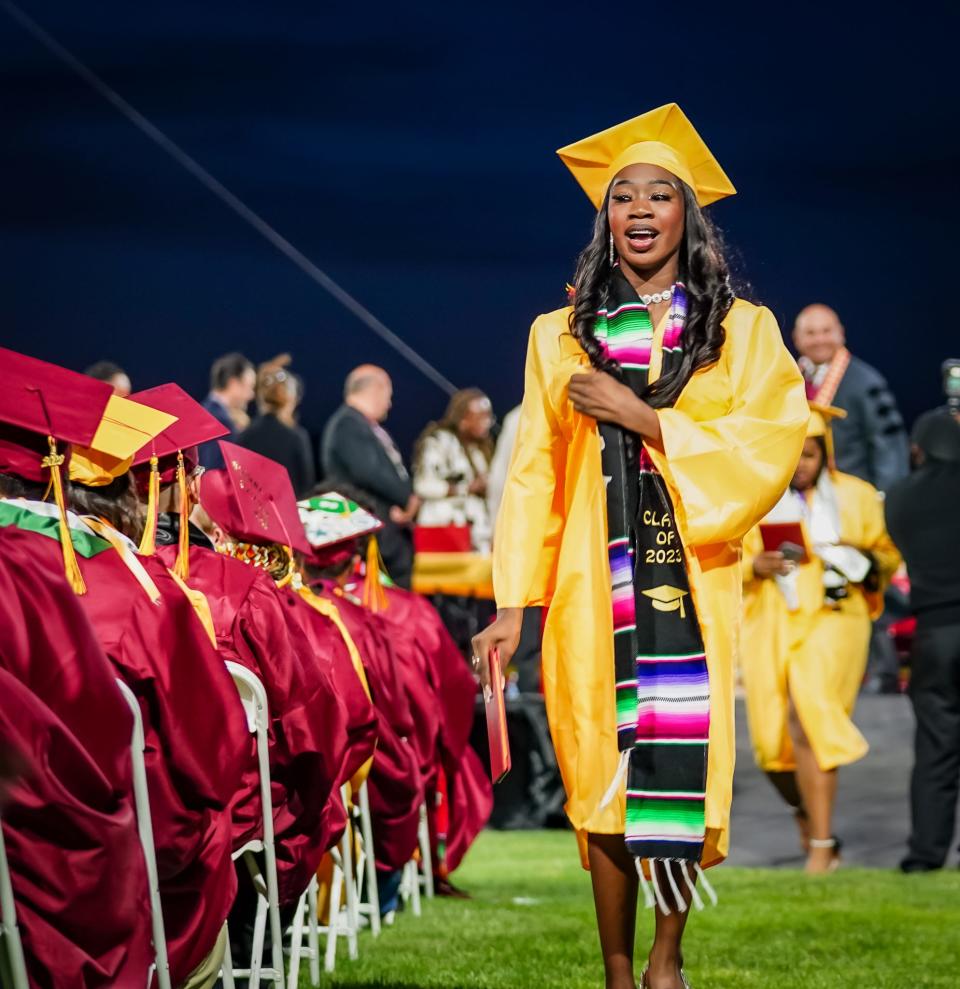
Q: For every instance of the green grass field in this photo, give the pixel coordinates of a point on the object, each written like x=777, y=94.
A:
x=530, y=924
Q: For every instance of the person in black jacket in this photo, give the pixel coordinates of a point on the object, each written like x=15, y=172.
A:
x=275, y=433
x=357, y=450
x=923, y=518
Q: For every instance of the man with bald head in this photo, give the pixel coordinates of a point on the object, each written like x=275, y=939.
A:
x=871, y=442
x=358, y=452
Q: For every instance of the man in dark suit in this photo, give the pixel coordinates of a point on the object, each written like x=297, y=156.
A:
x=356, y=450
x=233, y=381
x=871, y=442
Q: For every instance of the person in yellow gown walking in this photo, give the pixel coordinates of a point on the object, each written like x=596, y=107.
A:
x=806, y=632
x=662, y=418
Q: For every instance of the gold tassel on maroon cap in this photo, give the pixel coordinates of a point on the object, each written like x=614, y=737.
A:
x=148, y=544
x=374, y=596
x=54, y=461
x=182, y=567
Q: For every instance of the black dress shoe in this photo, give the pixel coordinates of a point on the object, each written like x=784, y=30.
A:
x=909, y=866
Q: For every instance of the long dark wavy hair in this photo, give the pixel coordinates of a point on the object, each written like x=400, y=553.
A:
x=117, y=502
x=702, y=269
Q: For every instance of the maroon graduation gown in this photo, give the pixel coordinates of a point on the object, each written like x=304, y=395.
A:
x=329, y=652
x=197, y=744
x=395, y=784
x=308, y=735
x=470, y=793
x=69, y=824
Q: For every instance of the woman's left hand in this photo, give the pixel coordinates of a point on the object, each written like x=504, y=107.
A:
x=601, y=396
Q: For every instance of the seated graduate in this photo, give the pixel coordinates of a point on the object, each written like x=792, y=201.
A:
x=440, y=690
x=69, y=825
x=333, y=526
x=253, y=512
x=307, y=734
x=806, y=632
x=160, y=642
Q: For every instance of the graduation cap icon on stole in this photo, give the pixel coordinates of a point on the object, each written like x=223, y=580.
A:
x=667, y=598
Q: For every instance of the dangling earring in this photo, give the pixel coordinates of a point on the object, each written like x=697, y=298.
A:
x=613, y=255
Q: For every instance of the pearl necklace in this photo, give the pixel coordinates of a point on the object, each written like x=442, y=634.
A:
x=663, y=296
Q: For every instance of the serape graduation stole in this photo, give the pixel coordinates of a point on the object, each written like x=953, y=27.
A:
x=663, y=691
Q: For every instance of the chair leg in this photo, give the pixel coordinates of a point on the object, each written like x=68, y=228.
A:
x=313, y=933
x=226, y=970
x=349, y=878
x=426, y=857
x=259, y=933
x=366, y=827
x=414, y=886
x=333, y=921
x=296, y=945
x=273, y=907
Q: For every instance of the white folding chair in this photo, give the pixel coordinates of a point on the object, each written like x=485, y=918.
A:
x=141, y=801
x=367, y=866
x=426, y=856
x=9, y=931
x=412, y=880
x=254, y=699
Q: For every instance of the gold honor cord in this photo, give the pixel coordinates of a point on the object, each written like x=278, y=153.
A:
x=236, y=204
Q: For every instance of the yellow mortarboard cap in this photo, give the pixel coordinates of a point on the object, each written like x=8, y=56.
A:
x=663, y=137
x=125, y=427
x=819, y=424
x=667, y=598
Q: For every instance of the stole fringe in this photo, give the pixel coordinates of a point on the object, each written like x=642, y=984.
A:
x=653, y=895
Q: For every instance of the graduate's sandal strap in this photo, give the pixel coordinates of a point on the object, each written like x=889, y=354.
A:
x=643, y=979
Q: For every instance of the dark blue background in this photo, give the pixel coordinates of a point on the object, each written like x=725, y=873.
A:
x=408, y=150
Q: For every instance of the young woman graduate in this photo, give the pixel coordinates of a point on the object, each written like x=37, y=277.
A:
x=69, y=825
x=253, y=508
x=662, y=418
x=806, y=632
x=307, y=735
x=333, y=525
x=160, y=639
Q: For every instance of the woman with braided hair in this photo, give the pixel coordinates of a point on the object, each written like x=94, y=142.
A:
x=662, y=418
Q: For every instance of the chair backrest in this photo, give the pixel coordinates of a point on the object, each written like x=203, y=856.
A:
x=8, y=923
x=253, y=696
x=141, y=799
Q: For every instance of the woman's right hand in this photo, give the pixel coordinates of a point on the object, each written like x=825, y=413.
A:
x=502, y=634
x=768, y=563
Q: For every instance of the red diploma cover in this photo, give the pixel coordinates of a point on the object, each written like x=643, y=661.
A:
x=497, y=722
x=775, y=534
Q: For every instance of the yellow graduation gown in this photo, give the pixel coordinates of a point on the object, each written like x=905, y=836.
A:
x=816, y=655
x=731, y=444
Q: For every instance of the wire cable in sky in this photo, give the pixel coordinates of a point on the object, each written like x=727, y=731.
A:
x=226, y=196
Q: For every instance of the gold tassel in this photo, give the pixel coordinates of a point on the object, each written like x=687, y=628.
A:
x=54, y=461
x=182, y=567
x=148, y=544
x=374, y=596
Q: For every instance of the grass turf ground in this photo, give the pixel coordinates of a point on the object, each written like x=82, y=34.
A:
x=530, y=924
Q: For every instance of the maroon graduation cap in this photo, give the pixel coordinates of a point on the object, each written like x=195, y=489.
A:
x=252, y=499
x=40, y=400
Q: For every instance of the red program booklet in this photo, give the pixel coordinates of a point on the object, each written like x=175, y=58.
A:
x=775, y=534
x=497, y=722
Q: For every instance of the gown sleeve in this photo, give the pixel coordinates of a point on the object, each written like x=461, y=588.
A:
x=726, y=473
x=524, y=519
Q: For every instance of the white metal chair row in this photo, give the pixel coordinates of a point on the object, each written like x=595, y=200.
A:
x=347, y=876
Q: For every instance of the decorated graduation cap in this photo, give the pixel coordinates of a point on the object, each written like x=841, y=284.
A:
x=169, y=457
x=333, y=524
x=44, y=409
x=663, y=137
x=820, y=424
x=126, y=425
x=252, y=499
